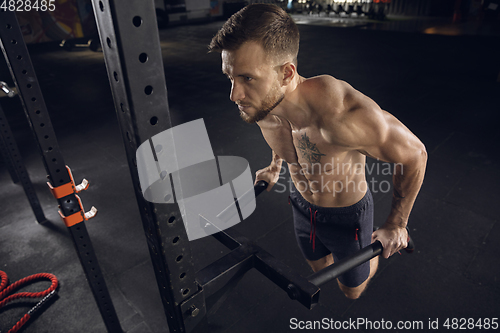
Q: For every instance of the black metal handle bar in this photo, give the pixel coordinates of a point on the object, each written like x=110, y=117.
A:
x=340, y=267
x=335, y=270
x=260, y=186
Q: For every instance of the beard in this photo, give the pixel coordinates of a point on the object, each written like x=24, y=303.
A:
x=271, y=101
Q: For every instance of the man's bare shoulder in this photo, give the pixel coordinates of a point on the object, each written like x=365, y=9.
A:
x=330, y=96
x=322, y=90
x=323, y=82
x=342, y=109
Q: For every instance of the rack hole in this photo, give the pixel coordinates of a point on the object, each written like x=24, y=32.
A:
x=19, y=57
x=179, y=258
x=24, y=72
x=101, y=6
x=175, y=240
x=108, y=41
x=33, y=99
x=115, y=74
x=137, y=21
x=171, y=219
x=182, y=276
x=148, y=90
x=167, y=198
x=185, y=291
x=8, y=26
x=14, y=41
x=42, y=125
x=143, y=57
x=153, y=121
x=37, y=111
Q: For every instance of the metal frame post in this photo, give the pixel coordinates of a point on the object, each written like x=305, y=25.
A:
x=17, y=170
x=6, y=155
x=130, y=42
x=19, y=62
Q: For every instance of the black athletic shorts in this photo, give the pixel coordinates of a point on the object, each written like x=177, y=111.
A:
x=337, y=230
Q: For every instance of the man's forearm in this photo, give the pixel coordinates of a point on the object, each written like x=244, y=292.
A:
x=276, y=161
x=407, y=181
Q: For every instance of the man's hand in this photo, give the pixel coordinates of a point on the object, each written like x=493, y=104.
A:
x=393, y=239
x=270, y=174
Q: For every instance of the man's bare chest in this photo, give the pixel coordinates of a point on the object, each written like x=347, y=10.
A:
x=305, y=148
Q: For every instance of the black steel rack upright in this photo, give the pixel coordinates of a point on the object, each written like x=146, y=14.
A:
x=60, y=178
x=130, y=42
x=15, y=166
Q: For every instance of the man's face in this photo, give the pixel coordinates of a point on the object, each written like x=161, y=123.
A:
x=254, y=79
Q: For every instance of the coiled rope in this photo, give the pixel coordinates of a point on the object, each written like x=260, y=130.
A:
x=46, y=294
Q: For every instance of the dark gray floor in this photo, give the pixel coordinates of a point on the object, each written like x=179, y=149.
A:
x=442, y=87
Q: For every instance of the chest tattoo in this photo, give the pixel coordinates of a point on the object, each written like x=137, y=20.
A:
x=309, y=150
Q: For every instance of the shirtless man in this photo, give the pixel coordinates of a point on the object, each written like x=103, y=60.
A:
x=323, y=129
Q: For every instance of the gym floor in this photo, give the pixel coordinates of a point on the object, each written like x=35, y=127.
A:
x=443, y=86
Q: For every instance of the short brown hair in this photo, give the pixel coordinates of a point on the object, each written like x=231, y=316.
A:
x=267, y=24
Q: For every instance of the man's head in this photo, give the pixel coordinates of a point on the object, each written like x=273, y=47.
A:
x=268, y=25
x=259, y=47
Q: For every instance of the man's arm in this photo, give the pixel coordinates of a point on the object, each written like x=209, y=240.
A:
x=380, y=135
x=270, y=173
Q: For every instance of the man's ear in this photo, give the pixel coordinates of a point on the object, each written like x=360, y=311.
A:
x=288, y=72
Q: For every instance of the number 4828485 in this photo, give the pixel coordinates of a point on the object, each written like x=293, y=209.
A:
x=28, y=5
x=463, y=323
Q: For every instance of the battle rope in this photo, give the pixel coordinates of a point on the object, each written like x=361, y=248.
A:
x=46, y=294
